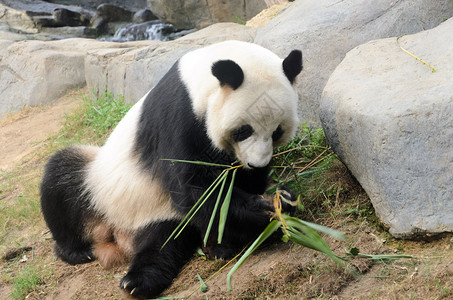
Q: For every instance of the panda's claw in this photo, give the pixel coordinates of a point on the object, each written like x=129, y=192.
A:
x=125, y=284
x=133, y=290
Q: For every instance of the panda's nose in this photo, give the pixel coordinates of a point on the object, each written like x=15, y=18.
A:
x=251, y=166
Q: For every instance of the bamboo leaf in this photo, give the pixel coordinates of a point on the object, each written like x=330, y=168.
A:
x=270, y=229
x=214, y=211
x=225, y=207
x=211, y=190
x=306, y=236
x=315, y=243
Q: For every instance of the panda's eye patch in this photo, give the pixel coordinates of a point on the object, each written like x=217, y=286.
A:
x=242, y=133
x=277, y=134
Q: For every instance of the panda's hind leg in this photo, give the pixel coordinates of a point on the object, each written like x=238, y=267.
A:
x=80, y=254
x=64, y=203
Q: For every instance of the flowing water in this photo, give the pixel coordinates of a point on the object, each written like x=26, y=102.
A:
x=152, y=30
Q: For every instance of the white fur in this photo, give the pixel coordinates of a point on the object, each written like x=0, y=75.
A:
x=265, y=99
x=127, y=196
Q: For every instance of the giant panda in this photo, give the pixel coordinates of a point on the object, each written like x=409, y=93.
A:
x=228, y=103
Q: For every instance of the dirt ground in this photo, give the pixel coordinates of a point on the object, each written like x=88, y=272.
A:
x=276, y=271
x=24, y=132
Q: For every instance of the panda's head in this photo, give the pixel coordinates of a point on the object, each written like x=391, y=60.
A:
x=246, y=96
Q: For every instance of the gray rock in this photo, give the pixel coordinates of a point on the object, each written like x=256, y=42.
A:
x=4, y=44
x=26, y=15
x=108, y=13
x=36, y=72
x=220, y=32
x=326, y=30
x=188, y=14
x=66, y=32
x=67, y=17
x=143, y=15
x=389, y=118
x=17, y=19
x=133, y=5
x=6, y=34
x=106, y=67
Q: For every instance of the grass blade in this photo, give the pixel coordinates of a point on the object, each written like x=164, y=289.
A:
x=214, y=211
x=270, y=229
x=225, y=207
x=204, y=288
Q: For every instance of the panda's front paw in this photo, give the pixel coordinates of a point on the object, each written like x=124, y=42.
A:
x=144, y=284
x=288, y=200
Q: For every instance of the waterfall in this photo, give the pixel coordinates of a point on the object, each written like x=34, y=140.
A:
x=152, y=30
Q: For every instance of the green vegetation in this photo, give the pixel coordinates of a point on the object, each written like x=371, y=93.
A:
x=19, y=205
x=302, y=165
x=25, y=282
x=93, y=121
x=239, y=20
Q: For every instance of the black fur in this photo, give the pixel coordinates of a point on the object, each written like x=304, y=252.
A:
x=65, y=206
x=228, y=73
x=292, y=65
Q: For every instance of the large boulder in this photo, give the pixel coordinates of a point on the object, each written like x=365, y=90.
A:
x=326, y=30
x=133, y=72
x=37, y=72
x=188, y=14
x=390, y=120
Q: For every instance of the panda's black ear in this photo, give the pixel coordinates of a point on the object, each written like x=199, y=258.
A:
x=228, y=73
x=292, y=65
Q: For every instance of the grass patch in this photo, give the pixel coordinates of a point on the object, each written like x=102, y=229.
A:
x=26, y=281
x=304, y=167
x=310, y=168
x=19, y=205
x=93, y=121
